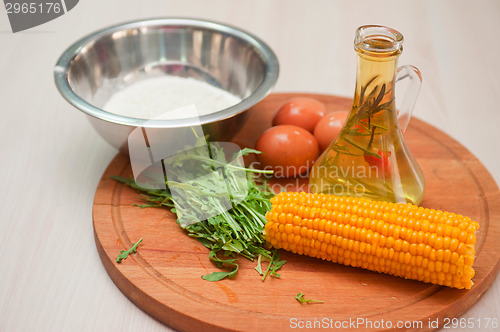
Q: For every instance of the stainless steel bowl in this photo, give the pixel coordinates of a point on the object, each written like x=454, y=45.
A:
x=91, y=70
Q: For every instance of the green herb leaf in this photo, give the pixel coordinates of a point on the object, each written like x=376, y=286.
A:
x=379, y=126
x=365, y=150
x=247, y=151
x=277, y=264
x=380, y=95
x=124, y=253
x=363, y=89
x=258, y=268
x=213, y=257
x=217, y=276
x=274, y=265
x=142, y=206
x=300, y=297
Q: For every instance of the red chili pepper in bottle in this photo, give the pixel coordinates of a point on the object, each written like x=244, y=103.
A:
x=382, y=163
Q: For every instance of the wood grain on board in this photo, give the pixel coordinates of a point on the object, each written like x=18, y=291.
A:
x=164, y=277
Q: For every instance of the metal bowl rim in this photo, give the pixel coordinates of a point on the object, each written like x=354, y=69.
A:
x=62, y=67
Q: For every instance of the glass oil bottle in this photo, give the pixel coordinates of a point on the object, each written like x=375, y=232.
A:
x=369, y=157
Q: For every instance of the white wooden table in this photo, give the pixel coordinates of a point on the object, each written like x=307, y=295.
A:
x=51, y=159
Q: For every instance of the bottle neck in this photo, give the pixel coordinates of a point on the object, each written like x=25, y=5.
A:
x=378, y=49
x=374, y=74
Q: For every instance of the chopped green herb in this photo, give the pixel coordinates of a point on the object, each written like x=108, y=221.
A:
x=216, y=276
x=258, y=268
x=274, y=265
x=237, y=231
x=124, y=253
x=300, y=297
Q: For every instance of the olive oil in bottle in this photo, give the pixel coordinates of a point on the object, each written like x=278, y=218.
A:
x=369, y=158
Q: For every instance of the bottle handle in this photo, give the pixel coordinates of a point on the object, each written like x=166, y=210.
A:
x=411, y=94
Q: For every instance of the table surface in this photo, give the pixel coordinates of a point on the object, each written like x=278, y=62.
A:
x=53, y=279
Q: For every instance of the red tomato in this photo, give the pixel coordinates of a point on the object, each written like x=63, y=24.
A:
x=329, y=127
x=300, y=111
x=288, y=150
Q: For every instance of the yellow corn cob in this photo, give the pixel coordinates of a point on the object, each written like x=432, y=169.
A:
x=398, y=239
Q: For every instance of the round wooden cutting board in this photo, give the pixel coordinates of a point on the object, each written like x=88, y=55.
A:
x=164, y=276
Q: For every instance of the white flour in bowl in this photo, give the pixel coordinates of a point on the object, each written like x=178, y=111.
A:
x=153, y=97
